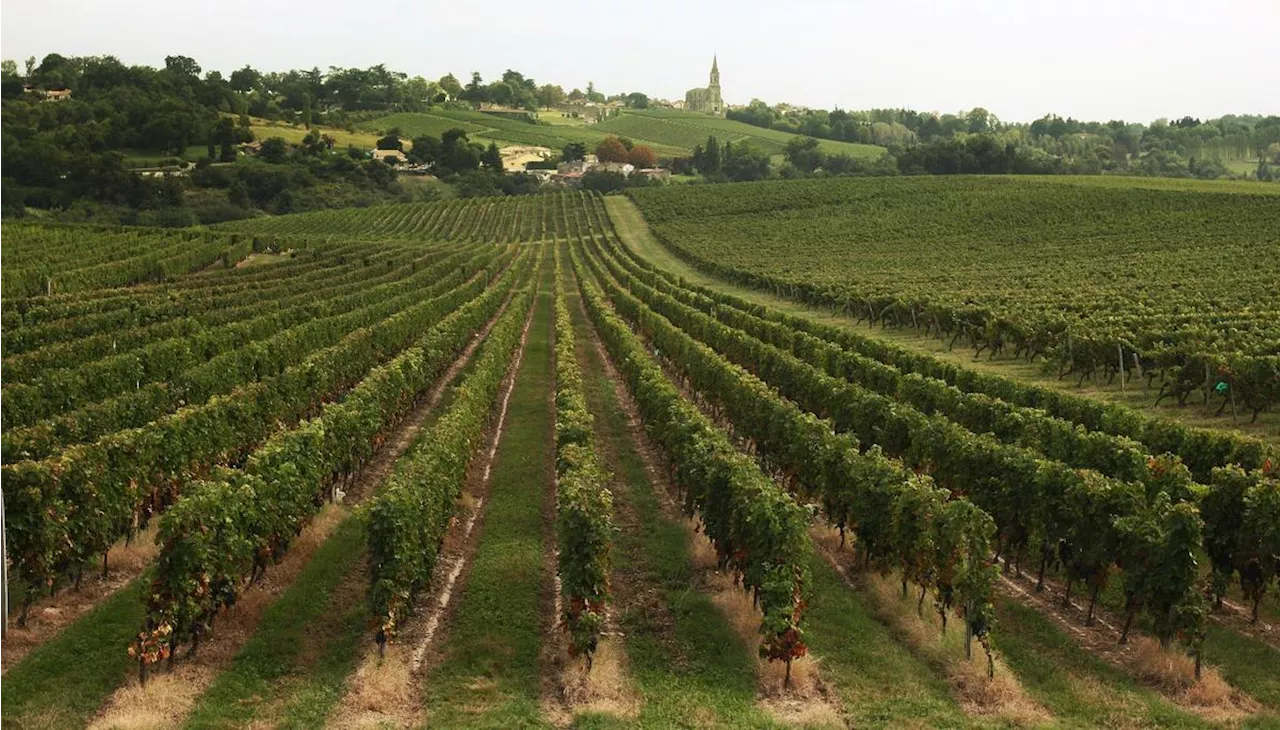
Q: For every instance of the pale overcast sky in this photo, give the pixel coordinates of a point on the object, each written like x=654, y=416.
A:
x=1091, y=59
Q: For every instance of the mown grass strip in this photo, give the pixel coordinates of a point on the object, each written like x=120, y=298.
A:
x=268, y=658
x=490, y=673
x=695, y=671
x=63, y=682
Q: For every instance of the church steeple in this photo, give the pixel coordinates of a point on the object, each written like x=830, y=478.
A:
x=715, y=73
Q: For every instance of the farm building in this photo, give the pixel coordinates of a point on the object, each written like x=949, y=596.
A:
x=582, y=165
x=515, y=158
x=48, y=94
x=655, y=173
x=391, y=157
x=626, y=168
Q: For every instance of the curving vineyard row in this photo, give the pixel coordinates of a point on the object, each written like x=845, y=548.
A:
x=37, y=322
x=758, y=530
x=496, y=220
x=142, y=399
x=47, y=260
x=196, y=367
x=185, y=313
x=64, y=510
x=1082, y=521
x=1100, y=281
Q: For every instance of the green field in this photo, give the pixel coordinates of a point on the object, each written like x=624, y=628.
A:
x=151, y=158
x=670, y=133
x=1073, y=270
x=513, y=462
x=295, y=133
x=412, y=124
x=485, y=128
x=686, y=129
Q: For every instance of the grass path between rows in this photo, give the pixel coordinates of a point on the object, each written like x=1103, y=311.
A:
x=689, y=667
x=263, y=670
x=631, y=227
x=85, y=663
x=697, y=673
x=1078, y=688
x=292, y=672
x=489, y=675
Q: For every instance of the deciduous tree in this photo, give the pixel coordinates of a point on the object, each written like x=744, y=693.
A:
x=611, y=150
x=642, y=156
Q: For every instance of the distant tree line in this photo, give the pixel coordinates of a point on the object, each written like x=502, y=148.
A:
x=1186, y=147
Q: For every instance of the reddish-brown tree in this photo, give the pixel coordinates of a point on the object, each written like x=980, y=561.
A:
x=611, y=150
x=643, y=156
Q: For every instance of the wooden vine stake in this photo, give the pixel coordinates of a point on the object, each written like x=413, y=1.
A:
x=4, y=574
x=968, y=639
x=1120, y=349
x=1208, y=387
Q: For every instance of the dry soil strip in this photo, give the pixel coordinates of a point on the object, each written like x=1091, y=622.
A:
x=1002, y=697
x=1211, y=699
x=50, y=615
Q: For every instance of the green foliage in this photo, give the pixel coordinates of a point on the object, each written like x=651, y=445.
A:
x=901, y=519
x=854, y=246
x=103, y=490
x=1158, y=546
x=408, y=519
x=225, y=532
x=501, y=220
x=274, y=150
x=758, y=531
x=584, y=505
x=685, y=130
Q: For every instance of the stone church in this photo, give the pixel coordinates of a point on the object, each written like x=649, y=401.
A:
x=706, y=100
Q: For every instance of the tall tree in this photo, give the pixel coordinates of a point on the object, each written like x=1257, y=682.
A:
x=574, y=151
x=611, y=149
x=450, y=85
x=492, y=157
x=642, y=156
x=803, y=154
x=549, y=95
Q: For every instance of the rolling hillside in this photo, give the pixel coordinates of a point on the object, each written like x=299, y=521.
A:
x=668, y=132
x=686, y=129
x=485, y=128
